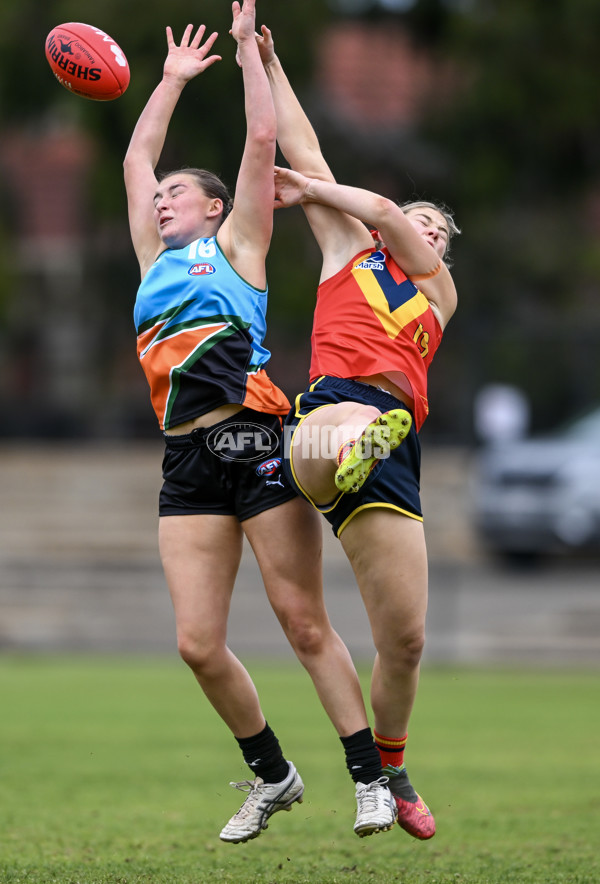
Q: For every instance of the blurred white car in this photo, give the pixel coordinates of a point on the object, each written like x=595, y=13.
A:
x=541, y=495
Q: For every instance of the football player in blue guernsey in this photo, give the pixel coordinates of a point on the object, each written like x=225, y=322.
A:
x=200, y=319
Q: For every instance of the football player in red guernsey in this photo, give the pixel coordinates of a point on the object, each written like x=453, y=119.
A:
x=384, y=299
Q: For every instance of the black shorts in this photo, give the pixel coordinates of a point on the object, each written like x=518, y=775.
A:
x=232, y=468
x=394, y=483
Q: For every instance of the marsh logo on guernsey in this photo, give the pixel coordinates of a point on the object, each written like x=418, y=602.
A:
x=376, y=261
x=201, y=270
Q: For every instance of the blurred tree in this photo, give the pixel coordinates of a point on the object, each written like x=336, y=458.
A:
x=496, y=114
x=208, y=129
x=508, y=137
x=524, y=135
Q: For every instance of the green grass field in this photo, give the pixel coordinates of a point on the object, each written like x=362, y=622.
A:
x=117, y=772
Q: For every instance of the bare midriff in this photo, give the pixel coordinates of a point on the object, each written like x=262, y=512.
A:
x=383, y=382
x=204, y=420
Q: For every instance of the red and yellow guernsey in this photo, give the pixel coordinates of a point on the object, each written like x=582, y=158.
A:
x=371, y=319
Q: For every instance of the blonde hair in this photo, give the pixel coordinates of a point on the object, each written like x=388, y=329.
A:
x=453, y=229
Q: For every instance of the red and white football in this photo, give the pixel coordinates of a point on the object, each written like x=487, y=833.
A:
x=87, y=61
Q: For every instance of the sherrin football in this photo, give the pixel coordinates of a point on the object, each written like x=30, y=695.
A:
x=87, y=61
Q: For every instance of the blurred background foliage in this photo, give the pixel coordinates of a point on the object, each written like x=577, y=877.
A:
x=490, y=107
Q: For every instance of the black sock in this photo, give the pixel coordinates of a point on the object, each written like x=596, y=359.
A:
x=362, y=758
x=262, y=753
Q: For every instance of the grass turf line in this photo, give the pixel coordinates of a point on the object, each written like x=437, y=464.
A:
x=116, y=771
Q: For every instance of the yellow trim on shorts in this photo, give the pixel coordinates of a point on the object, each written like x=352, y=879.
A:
x=382, y=505
x=297, y=405
x=325, y=508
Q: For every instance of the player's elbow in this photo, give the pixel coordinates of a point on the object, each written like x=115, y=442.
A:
x=129, y=168
x=131, y=163
x=264, y=136
x=384, y=211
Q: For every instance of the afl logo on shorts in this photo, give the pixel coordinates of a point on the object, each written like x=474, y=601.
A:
x=242, y=441
x=268, y=467
x=201, y=270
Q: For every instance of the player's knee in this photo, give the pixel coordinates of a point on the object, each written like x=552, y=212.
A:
x=406, y=651
x=199, y=656
x=411, y=648
x=305, y=636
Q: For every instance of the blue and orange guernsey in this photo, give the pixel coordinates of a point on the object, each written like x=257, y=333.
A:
x=200, y=329
x=371, y=319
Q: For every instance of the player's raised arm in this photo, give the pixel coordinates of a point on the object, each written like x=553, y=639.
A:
x=417, y=241
x=295, y=133
x=246, y=234
x=339, y=236
x=183, y=62
x=411, y=251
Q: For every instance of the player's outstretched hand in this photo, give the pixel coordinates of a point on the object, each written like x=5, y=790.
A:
x=290, y=188
x=190, y=57
x=244, y=20
x=266, y=46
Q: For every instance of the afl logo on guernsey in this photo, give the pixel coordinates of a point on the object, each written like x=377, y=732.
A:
x=201, y=270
